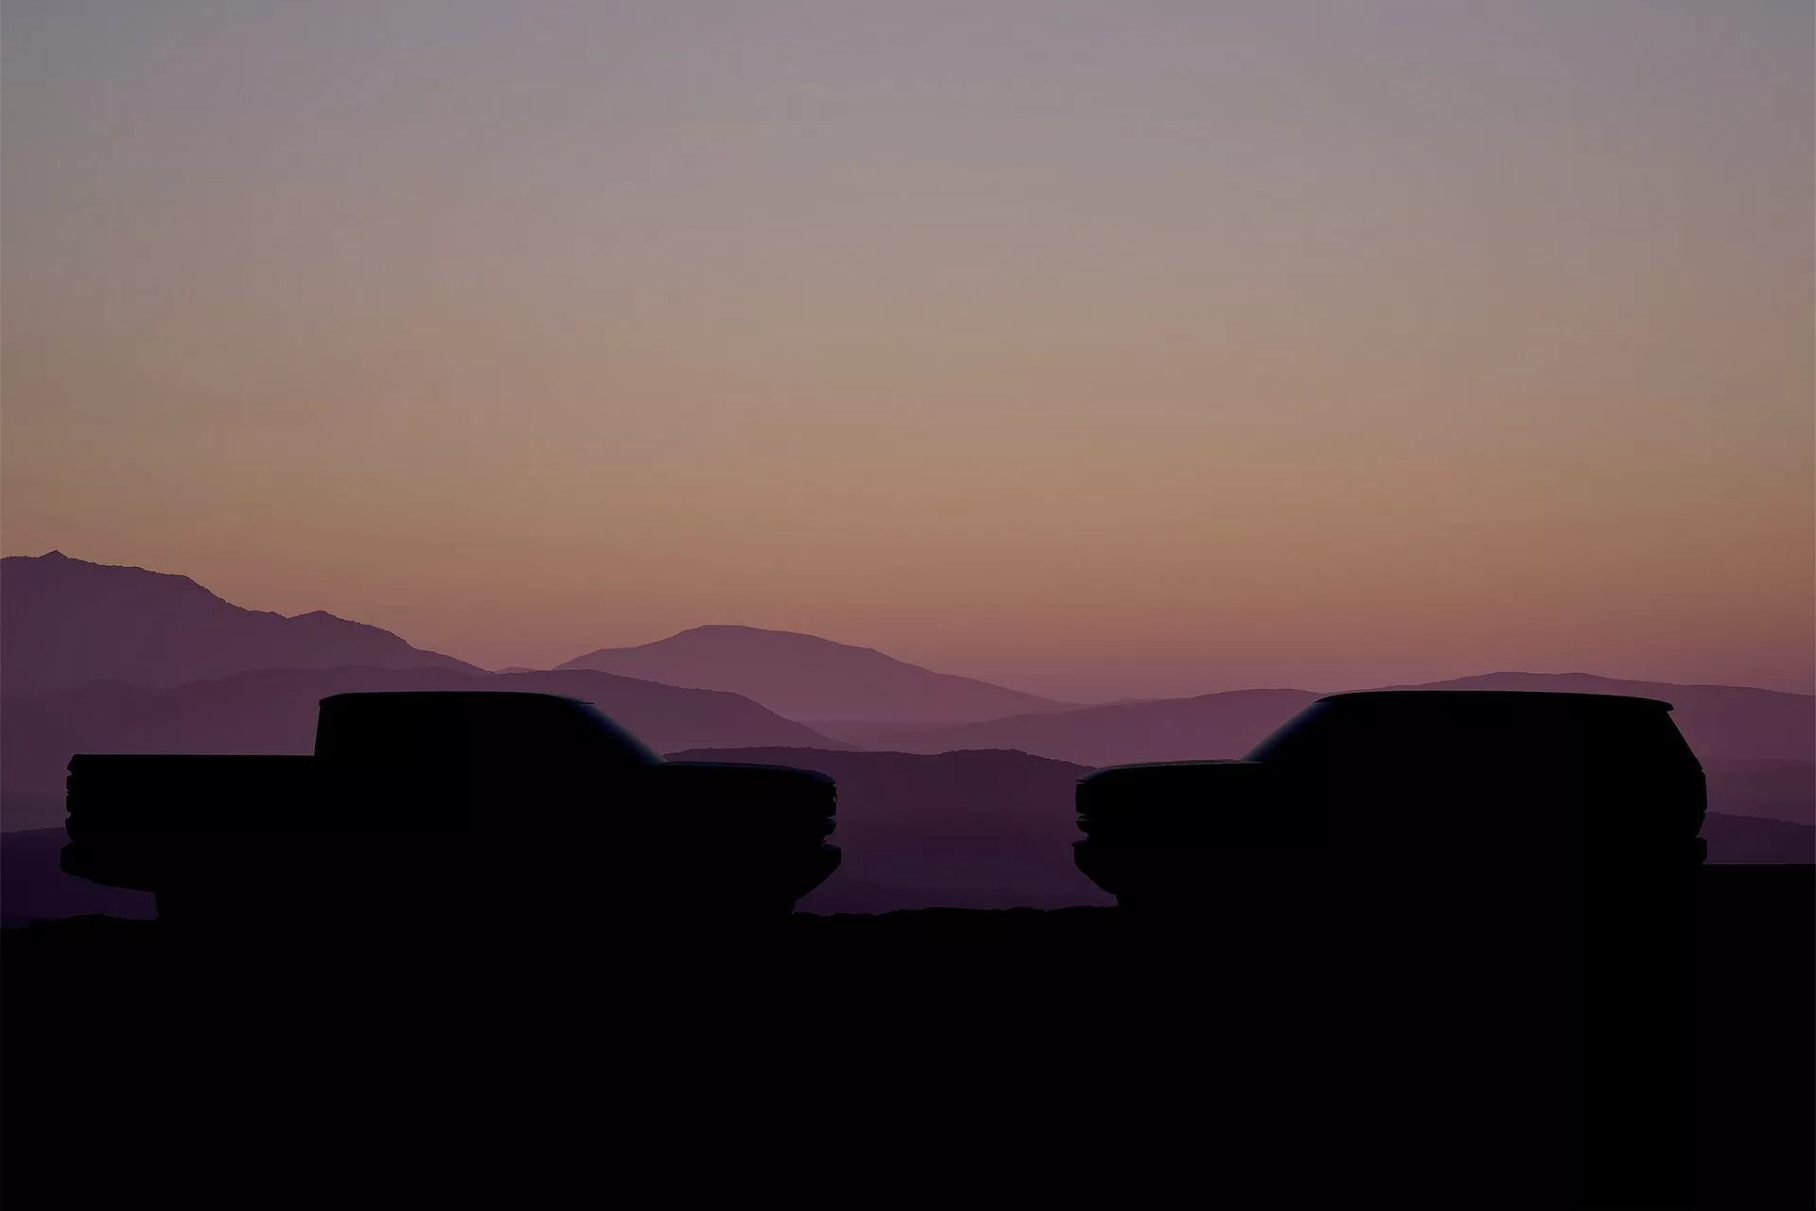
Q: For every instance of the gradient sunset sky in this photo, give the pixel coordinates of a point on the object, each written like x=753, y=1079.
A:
x=1095, y=348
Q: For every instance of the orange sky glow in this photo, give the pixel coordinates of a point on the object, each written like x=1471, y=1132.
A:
x=1097, y=349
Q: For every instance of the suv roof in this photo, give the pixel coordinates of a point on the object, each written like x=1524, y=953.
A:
x=1508, y=697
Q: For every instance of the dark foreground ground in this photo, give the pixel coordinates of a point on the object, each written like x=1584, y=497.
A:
x=1064, y=1058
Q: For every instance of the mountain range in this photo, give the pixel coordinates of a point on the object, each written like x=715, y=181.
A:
x=103, y=658
x=1731, y=723
x=812, y=679
x=69, y=622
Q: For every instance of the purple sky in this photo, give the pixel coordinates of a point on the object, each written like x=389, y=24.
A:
x=1099, y=349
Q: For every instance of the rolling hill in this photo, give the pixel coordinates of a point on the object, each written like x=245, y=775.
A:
x=1722, y=723
x=808, y=678
x=1210, y=725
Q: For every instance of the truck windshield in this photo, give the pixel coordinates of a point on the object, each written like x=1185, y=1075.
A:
x=1297, y=738
x=609, y=735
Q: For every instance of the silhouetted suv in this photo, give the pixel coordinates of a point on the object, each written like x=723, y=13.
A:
x=1415, y=775
x=419, y=809
x=1507, y=877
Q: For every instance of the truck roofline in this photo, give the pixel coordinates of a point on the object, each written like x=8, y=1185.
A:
x=451, y=694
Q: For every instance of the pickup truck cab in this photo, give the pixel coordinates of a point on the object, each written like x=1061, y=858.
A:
x=460, y=805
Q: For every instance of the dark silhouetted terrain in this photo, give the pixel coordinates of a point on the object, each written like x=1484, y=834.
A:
x=932, y=1058
x=1743, y=840
x=806, y=677
x=33, y=886
x=70, y=622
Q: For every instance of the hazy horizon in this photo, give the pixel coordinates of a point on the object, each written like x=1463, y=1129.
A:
x=1090, y=697
x=1097, y=350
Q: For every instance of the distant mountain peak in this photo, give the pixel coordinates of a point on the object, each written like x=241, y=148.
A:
x=808, y=677
x=70, y=622
x=86, y=567
x=735, y=629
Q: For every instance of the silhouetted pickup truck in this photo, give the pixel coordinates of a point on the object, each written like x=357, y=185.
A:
x=419, y=808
